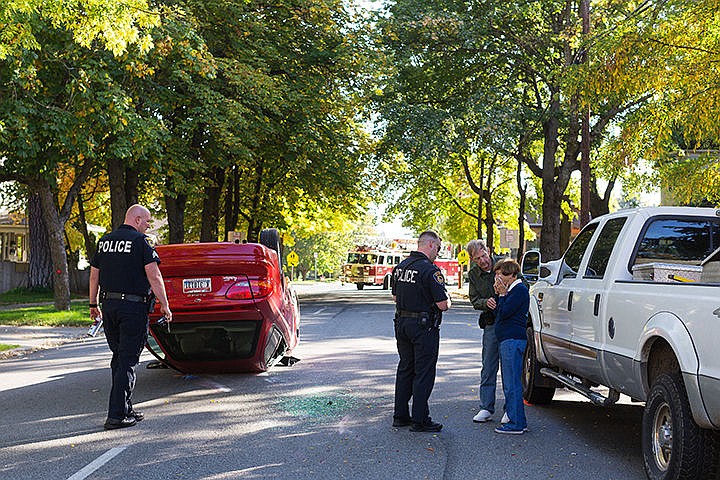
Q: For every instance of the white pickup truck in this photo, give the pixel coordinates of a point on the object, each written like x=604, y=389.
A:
x=634, y=305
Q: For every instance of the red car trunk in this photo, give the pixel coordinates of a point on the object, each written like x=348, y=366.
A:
x=232, y=309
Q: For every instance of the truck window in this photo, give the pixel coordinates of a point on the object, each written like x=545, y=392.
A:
x=380, y=259
x=575, y=253
x=600, y=256
x=676, y=240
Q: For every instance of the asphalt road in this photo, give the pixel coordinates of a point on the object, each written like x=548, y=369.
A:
x=327, y=417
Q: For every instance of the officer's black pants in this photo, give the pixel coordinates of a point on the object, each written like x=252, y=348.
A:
x=126, y=330
x=418, y=349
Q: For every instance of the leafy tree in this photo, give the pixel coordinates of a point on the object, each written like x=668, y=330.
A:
x=321, y=236
x=667, y=52
x=507, y=69
x=116, y=24
x=63, y=111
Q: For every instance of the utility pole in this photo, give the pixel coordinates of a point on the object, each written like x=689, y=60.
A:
x=585, y=142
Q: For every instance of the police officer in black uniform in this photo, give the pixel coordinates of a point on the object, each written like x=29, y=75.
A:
x=421, y=297
x=124, y=275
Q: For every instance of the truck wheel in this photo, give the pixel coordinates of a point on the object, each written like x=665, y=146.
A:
x=673, y=446
x=532, y=392
x=386, y=282
x=360, y=286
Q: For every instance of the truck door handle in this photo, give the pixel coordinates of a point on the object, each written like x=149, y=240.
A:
x=570, y=295
x=596, y=307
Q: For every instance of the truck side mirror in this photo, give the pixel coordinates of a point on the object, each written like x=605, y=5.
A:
x=530, y=267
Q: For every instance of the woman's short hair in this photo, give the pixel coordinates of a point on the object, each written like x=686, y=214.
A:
x=507, y=266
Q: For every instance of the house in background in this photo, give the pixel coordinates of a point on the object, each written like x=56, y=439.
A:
x=13, y=250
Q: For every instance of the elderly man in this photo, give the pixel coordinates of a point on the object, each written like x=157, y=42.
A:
x=481, y=280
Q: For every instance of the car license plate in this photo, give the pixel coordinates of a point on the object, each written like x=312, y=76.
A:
x=197, y=285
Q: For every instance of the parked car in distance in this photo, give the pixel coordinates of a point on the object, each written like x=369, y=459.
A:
x=233, y=309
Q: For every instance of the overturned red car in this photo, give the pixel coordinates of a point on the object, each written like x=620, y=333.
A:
x=233, y=309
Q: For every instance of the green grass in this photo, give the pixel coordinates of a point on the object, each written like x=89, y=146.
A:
x=23, y=295
x=4, y=346
x=77, y=316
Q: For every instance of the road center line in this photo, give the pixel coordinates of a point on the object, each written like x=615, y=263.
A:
x=97, y=463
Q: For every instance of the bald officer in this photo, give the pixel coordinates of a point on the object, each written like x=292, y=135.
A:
x=122, y=273
x=420, y=297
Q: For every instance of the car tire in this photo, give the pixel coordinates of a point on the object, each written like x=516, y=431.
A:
x=360, y=286
x=270, y=237
x=674, y=447
x=532, y=391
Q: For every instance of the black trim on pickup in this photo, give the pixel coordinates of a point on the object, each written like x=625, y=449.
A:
x=573, y=347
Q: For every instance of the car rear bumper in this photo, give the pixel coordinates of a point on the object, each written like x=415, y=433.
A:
x=217, y=343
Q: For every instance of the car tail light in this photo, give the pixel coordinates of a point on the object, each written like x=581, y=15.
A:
x=240, y=291
x=249, y=289
x=261, y=287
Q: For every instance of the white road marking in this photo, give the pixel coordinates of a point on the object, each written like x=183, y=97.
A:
x=319, y=311
x=97, y=463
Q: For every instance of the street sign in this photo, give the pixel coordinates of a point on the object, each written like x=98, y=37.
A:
x=293, y=259
x=463, y=257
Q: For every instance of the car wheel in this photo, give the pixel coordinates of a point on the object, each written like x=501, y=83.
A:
x=270, y=237
x=360, y=286
x=673, y=445
x=532, y=391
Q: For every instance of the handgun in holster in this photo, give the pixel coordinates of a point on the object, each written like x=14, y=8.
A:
x=435, y=316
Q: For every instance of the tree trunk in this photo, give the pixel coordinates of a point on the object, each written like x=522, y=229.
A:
x=175, y=209
x=254, y=225
x=211, y=206
x=522, y=190
x=82, y=226
x=118, y=199
x=132, y=182
x=40, y=269
x=489, y=222
x=231, y=202
x=55, y=229
x=550, y=233
x=565, y=231
x=479, y=215
x=600, y=205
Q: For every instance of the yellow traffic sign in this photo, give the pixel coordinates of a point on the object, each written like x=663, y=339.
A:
x=463, y=257
x=293, y=259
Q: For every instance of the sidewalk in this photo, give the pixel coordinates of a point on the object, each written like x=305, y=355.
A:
x=31, y=338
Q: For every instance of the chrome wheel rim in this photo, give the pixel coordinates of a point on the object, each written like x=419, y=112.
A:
x=662, y=436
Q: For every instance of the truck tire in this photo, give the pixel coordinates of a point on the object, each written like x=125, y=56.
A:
x=532, y=391
x=673, y=446
x=386, y=282
x=360, y=286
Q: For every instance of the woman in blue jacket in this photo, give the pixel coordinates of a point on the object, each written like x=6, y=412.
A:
x=510, y=323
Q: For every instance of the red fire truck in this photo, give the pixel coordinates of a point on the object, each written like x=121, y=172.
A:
x=373, y=266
